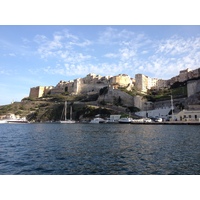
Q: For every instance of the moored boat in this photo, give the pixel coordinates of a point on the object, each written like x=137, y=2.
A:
x=97, y=120
x=67, y=121
x=126, y=120
x=3, y=122
x=17, y=121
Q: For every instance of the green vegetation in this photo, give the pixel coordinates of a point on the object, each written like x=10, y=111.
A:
x=50, y=107
x=165, y=94
x=132, y=92
x=91, y=111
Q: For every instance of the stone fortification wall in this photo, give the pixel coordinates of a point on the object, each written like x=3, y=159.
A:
x=141, y=82
x=139, y=102
x=39, y=91
x=87, y=88
x=185, y=75
x=60, y=88
x=113, y=95
x=34, y=92
x=193, y=87
x=121, y=80
x=91, y=83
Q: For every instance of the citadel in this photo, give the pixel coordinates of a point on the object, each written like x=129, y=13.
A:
x=92, y=83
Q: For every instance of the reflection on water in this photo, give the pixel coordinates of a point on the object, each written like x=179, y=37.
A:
x=99, y=149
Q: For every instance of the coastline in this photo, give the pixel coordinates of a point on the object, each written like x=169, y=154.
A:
x=169, y=123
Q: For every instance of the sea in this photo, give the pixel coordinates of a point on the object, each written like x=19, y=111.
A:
x=99, y=149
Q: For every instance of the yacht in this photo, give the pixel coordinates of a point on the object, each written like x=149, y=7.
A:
x=67, y=121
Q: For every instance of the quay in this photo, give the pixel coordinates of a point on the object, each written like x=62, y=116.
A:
x=169, y=123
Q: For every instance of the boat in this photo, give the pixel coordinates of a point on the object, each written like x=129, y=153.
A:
x=125, y=120
x=3, y=122
x=111, y=121
x=18, y=121
x=97, y=120
x=67, y=121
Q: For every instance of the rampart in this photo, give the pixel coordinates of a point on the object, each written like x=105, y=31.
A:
x=93, y=83
x=39, y=91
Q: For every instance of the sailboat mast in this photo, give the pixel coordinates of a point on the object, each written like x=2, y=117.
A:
x=65, y=110
x=71, y=113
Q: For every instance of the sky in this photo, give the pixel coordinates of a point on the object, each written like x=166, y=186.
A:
x=32, y=55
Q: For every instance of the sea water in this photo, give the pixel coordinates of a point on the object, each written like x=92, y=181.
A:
x=94, y=149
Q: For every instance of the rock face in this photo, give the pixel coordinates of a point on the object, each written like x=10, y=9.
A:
x=115, y=96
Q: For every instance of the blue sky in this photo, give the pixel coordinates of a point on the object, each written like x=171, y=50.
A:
x=43, y=55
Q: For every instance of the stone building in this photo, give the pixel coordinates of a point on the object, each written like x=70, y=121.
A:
x=92, y=83
x=183, y=75
x=188, y=115
x=194, y=74
x=121, y=80
x=161, y=84
x=39, y=91
x=141, y=82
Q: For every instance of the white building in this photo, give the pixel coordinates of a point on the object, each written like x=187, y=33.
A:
x=160, y=112
x=188, y=115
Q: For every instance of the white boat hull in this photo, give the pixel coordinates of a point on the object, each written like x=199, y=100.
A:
x=17, y=122
x=67, y=122
x=3, y=122
x=125, y=120
x=97, y=121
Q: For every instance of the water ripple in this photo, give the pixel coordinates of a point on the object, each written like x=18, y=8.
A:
x=99, y=149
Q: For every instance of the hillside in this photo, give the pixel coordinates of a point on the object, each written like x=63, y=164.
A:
x=50, y=108
x=106, y=102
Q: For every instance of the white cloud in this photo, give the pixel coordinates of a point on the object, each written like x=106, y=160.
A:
x=119, y=52
x=84, y=43
x=178, y=45
x=113, y=36
x=62, y=46
x=111, y=55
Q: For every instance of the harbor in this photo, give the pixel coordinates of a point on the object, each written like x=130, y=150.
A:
x=101, y=149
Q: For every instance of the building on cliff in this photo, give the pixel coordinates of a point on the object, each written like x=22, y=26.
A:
x=122, y=80
x=92, y=83
x=143, y=83
x=39, y=91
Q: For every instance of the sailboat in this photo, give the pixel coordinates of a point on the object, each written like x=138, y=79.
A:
x=67, y=121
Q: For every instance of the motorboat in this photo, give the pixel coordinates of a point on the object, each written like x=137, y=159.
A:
x=17, y=121
x=126, y=120
x=3, y=122
x=97, y=120
x=13, y=119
